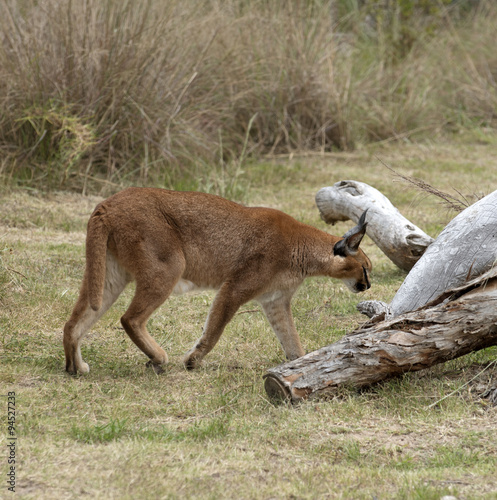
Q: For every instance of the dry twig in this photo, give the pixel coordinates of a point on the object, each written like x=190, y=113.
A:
x=450, y=201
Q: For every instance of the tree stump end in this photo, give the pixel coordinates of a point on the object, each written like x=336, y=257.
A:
x=276, y=390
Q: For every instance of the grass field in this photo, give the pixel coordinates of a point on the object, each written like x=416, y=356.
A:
x=123, y=432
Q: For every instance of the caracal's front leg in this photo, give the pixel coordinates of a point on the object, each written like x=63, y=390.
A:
x=226, y=303
x=276, y=306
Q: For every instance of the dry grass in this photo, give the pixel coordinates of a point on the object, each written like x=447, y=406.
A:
x=457, y=202
x=96, y=91
x=123, y=432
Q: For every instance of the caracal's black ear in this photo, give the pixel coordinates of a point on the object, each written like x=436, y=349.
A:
x=352, y=238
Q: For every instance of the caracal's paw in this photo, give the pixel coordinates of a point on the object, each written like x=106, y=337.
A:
x=193, y=359
x=82, y=368
x=157, y=367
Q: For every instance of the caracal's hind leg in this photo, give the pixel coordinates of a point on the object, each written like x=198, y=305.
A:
x=153, y=287
x=84, y=317
x=276, y=306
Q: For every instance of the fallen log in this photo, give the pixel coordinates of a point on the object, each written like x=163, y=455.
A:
x=398, y=238
x=466, y=248
x=456, y=323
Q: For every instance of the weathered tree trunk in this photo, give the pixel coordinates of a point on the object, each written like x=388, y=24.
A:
x=400, y=240
x=466, y=248
x=457, y=323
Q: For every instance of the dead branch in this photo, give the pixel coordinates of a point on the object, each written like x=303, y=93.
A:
x=398, y=238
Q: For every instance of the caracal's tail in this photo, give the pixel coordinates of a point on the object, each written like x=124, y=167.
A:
x=97, y=237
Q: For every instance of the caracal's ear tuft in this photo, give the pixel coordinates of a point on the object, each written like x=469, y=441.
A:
x=352, y=238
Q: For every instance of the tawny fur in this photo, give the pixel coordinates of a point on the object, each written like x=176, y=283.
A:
x=170, y=241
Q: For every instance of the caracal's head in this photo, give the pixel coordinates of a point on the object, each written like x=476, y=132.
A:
x=351, y=264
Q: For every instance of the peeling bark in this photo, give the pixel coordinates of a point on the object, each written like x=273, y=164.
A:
x=398, y=238
x=466, y=248
x=458, y=322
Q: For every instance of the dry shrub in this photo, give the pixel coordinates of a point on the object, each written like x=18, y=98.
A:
x=111, y=65
x=467, y=65
x=162, y=85
x=157, y=92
